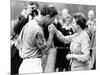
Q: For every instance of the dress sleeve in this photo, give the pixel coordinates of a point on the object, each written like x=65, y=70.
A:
x=61, y=37
x=85, y=51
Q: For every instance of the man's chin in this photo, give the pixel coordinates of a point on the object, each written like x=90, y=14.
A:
x=47, y=24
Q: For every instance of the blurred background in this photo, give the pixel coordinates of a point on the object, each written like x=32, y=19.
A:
x=17, y=6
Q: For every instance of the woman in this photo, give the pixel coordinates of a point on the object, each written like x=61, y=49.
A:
x=63, y=49
x=80, y=53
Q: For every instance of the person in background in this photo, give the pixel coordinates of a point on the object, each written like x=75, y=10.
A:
x=91, y=19
x=63, y=24
x=31, y=42
x=80, y=43
x=23, y=18
x=91, y=23
x=29, y=12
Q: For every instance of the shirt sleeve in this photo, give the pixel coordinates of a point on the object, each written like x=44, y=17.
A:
x=41, y=42
x=85, y=52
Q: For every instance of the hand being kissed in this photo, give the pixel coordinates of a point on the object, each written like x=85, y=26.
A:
x=52, y=28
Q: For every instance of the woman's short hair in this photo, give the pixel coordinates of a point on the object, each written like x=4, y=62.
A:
x=49, y=10
x=80, y=20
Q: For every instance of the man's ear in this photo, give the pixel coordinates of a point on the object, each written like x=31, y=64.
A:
x=47, y=17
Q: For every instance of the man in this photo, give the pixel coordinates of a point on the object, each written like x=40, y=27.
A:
x=23, y=18
x=91, y=23
x=92, y=31
x=31, y=42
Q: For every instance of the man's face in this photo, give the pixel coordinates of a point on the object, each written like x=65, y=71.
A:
x=91, y=15
x=30, y=8
x=49, y=20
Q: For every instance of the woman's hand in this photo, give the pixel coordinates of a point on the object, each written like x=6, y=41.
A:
x=69, y=56
x=52, y=29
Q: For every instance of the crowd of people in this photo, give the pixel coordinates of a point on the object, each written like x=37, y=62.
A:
x=44, y=41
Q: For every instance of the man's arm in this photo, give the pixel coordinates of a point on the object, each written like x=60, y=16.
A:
x=42, y=44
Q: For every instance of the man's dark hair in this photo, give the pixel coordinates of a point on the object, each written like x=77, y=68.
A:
x=49, y=10
x=34, y=3
x=80, y=20
x=34, y=13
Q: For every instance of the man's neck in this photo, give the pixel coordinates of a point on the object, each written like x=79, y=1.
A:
x=78, y=30
x=91, y=19
x=39, y=20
